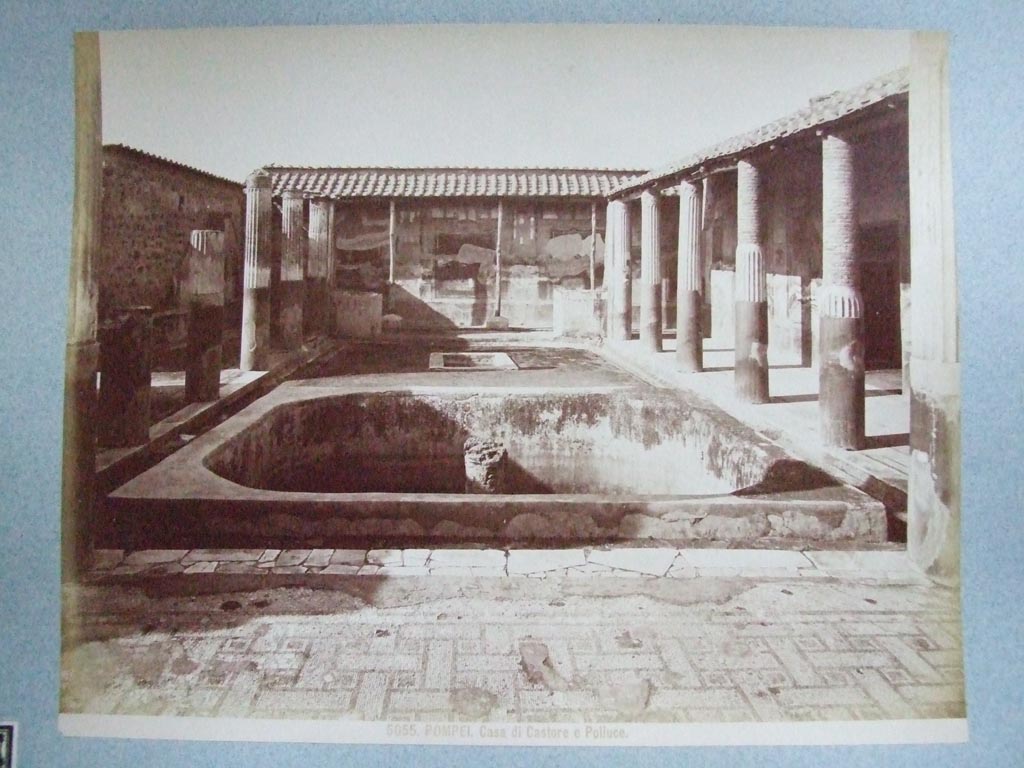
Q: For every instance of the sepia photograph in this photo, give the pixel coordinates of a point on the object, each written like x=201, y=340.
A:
x=586, y=385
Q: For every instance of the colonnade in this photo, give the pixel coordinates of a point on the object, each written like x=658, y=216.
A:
x=303, y=306
x=841, y=372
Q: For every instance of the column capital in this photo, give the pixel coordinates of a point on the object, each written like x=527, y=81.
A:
x=293, y=194
x=207, y=240
x=689, y=189
x=835, y=134
x=258, y=179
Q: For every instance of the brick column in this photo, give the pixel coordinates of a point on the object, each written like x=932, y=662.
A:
x=125, y=363
x=293, y=261
x=319, y=311
x=617, y=247
x=933, y=503
x=751, y=370
x=840, y=307
x=203, y=293
x=256, y=282
x=689, y=302
x=81, y=354
x=650, y=272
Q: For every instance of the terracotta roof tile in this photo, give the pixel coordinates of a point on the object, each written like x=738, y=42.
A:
x=449, y=182
x=819, y=111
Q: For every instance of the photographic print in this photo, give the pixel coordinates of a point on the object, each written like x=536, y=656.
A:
x=589, y=385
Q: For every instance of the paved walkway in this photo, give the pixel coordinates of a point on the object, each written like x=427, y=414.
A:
x=792, y=417
x=448, y=635
x=589, y=634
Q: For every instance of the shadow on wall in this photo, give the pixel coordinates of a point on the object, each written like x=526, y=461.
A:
x=788, y=475
x=416, y=313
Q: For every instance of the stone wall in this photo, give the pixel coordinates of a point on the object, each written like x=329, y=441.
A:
x=150, y=207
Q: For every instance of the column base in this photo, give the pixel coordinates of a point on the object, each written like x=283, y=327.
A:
x=78, y=482
x=289, y=318
x=650, y=317
x=622, y=314
x=689, y=334
x=317, y=313
x=841, y=383
x=255, y=352
x=751, y=371
x=203, y=360
x=125, y=349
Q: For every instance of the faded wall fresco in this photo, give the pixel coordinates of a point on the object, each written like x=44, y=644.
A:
x=445, y=260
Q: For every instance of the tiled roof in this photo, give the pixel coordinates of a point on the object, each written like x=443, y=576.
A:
x=818, y=112
x=449, y=182
x=156, y=158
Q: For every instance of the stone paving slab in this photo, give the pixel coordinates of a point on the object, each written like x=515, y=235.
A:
x=653, y=561
x=625, y=562
x=523, y=561
x=745, y=558
x=468, y=647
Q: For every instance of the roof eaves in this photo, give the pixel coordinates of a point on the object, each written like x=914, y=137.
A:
x=820, y=111
x=167, y=161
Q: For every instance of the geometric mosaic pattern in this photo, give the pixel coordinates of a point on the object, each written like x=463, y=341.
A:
x=814, y=643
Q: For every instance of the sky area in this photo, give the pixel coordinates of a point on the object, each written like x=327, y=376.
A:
x=231, y=100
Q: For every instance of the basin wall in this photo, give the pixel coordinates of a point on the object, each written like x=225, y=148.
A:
x=556, y=443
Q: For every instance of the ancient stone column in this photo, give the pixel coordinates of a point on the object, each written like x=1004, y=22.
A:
x=650, y=272
x=840, y=306
x=608, y=278
x=293, y=263
x=203, y=294
x=933, y=513
x=689, y=302
x=751, y=369
x=319, y=310
x=81, y=356
x=392, y=242
x=125, y=369
x=621, y=278
x=255, y=354
x=593, y=247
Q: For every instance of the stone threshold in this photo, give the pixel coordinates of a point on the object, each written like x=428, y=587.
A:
x=890, y=566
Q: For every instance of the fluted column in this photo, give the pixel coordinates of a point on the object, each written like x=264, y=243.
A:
x=203, y=294
x=81, y=354
x=841, y=308
x=621, y=276
x=934, y=484
x=608, y=278
x=650, y=271
x=751, y=370
x=256, y=280
x=318, y=310
x=293, y=260
x=689, y=335
x=392, y=242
